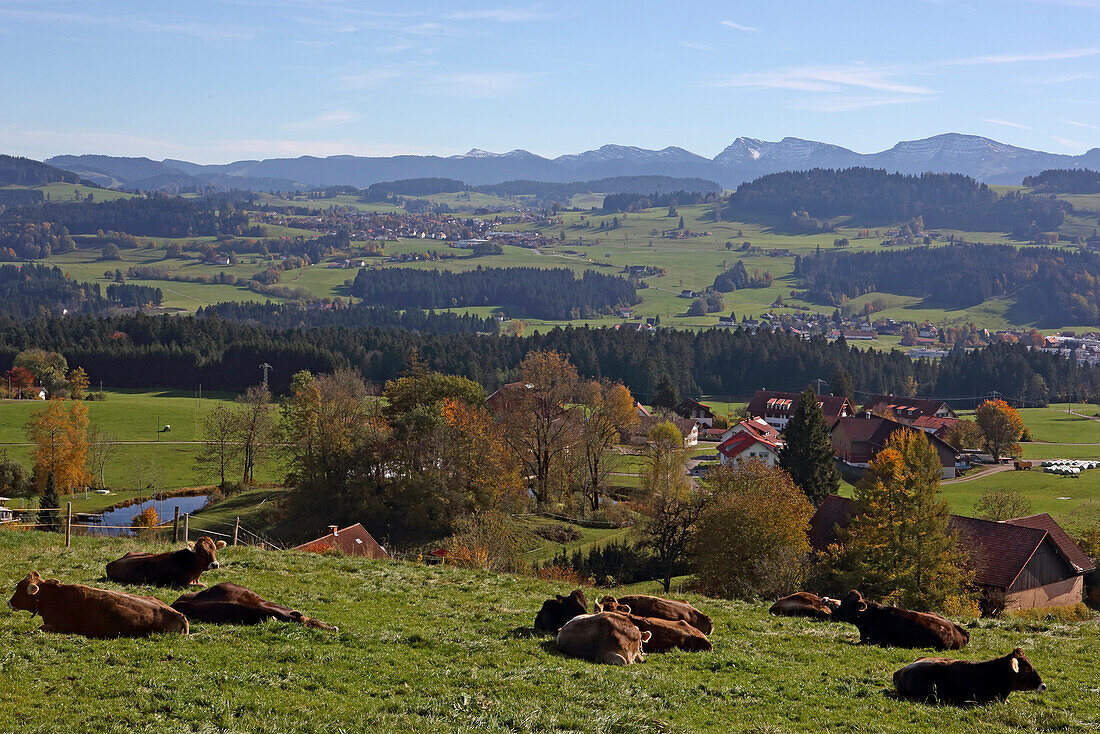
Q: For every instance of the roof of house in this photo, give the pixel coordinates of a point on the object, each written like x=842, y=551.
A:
x=757, y=427
x=911, y=407
x=999, y=551
x=352, y=541
x=876, y=430
x=932, y=423
x=690, y=404
x=686, y=425
x=774, y=401
x=510, y=390
x=738, y=443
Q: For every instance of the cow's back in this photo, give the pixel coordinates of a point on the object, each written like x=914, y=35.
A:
x=99, y=613
x=604, y=638
x=802, y=604
x=156, y=569
x=666, y=635
x=659, y=608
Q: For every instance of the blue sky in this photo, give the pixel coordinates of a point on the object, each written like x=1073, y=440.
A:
x=217, y=81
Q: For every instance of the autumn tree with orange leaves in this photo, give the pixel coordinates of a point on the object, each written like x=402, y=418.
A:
x=482, y=472
x=1001, y=427
x=60, y=438
x=606, y=411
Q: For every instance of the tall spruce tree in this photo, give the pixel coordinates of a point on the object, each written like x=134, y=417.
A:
x=841, y=385
x=51, y=518
x=668, y=397
x=808, y=455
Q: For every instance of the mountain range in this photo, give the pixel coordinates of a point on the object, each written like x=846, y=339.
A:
x=981, y=158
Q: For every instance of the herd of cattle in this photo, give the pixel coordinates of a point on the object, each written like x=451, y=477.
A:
x=101, y=613
x=619, y=631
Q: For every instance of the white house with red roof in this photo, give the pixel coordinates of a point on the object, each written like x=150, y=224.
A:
x=751, y=439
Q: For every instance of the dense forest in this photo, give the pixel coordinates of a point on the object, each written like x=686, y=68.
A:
x=1066, y=181
x=290, y=316
x=531, y=292
x=155, y=215
x=638, y=202
x=1051, y=286
x=562, y=192
x=874, y=197
x=183, y=352
x=31, y=291
x=33, y=240
x=129, y=295
x=26, y=172
x=20, y=197
x=410, y=187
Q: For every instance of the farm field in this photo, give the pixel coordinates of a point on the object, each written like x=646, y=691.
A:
x=430, y=649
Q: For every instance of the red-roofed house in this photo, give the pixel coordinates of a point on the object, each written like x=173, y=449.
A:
x=1030, y=560
x=907, y=410
x=351, y=541
x=858, y=439
x=777, y=407
x=745, y=445
x=935, y=425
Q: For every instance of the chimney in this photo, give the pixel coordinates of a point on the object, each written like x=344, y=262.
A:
x=335, y=529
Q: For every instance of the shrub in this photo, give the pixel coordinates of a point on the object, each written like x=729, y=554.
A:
x=558, y=533
x=565, y=574
x=1076, y=613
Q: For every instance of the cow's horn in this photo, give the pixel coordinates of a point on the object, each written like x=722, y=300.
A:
x=624, y=609
x=862, y=606
x=646, y=636
x=190, y=545
x=220, y=544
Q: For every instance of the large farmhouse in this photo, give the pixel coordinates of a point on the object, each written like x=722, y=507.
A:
x=777, y=407
x=908, y=410
x=858, y=439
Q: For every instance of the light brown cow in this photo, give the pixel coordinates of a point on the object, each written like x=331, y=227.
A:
x=605, y=638
x=805, y=604
x=658, y=608
x=83, y=610
x=666, y=635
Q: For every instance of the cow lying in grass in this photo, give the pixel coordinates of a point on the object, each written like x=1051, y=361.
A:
x=894, y=627
x=805, y=604
x=961, y=682
x=559, y=610
x=175, y=568
x=231, y=604
x=657, y=608
x=608, y=638
x=98, y=613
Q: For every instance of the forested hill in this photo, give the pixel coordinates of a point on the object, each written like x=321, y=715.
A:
x=532, y=292
x=1052, y=286
x=157, y=215
x=182, y=352
x=291, y=316
x=27, y=172
x=1066, y=181
x=874, y=197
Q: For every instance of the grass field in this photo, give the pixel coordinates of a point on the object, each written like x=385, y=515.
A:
x=439, y=649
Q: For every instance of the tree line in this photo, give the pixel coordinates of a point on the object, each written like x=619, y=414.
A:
x=18, y=171
x=631, y=202
x=1051, y=286
x=548, y=294
x=875, y=197
x=293, y=316
x=1066, y=181
x=154, y=215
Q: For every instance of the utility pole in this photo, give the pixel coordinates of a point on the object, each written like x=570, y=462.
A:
x=266, y=368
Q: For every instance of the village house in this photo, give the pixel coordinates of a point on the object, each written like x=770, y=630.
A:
x=858, y=439
x=1024, y=563
x=751, y=439
x=692, y=408
x=937, y=426
x=689, y=427
x=351, y=541
x=908, y=410
x=776, y=408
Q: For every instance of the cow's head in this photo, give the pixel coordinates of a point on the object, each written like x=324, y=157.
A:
x=25, y=591
x=851, y=608
x=1022, y=673
x=559, y=610
x=831, y=604
x=610, y=604
x=205, y=552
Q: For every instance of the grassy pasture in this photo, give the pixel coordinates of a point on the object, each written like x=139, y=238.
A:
x=432, y=649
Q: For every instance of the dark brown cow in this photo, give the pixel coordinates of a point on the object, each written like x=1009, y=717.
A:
x=559, y=610
x=605, y=638
x=175, y=568
x=82, y=610
x=666, y=635
x=805, y=604
x=894, y=627
x=658, y=608
x=231, y=604
x=960, y=681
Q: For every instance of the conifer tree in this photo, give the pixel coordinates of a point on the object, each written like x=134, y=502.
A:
x=808, y=455
x=899, y=547
x=668, y=397
x=841, y=385
x=50, y=499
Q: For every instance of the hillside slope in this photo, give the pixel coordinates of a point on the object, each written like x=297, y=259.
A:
x=441, y=649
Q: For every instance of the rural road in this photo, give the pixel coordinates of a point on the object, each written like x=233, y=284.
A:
x=980, y=475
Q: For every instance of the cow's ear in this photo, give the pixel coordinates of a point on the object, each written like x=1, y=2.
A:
x=33, y=575
x=646, y=635
x=560, y=597
x=219, y=545
x=1015, y=664
x=190, y=545
x=597, y=608
x=32, y=589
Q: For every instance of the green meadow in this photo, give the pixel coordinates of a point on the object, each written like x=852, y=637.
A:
x=442, y=649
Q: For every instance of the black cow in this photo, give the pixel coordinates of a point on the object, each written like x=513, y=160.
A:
x=231, y=604
x=175, y=568
x=960, y=681
x=559, y=610
x=894, y=627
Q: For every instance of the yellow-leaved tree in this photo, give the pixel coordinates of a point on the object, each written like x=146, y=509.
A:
x=1001, y=427
x=59, y=433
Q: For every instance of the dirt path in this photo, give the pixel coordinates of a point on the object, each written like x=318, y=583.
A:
x=979, y=475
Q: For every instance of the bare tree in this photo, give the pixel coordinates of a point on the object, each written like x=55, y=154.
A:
x=102, y=447
x=1001, y=503
x=219, y=451
x=254, y=425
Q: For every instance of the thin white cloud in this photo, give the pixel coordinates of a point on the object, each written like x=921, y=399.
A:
x=1006, y=123
x=1077, y=53
x=1075, y=123
x=696, y=46
x=849, y=103
x=322, y=121
x=824, y=79
x=373, y=77
x=483, y=84
x=197, y=30
x=502, y=15
x=739, y=27
x=1074, y=145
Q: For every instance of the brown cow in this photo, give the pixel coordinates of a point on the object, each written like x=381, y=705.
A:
x=658, y=608
x=961, y=681
x=805, y=604
x=231, y=604
x=605, y=638
x=666, y=635
x=83, y=610
x=174, y=568
x=882, y=625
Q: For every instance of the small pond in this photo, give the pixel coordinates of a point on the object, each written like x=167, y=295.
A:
x=165, y=510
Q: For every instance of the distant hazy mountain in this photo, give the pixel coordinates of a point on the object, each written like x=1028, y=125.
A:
x=746, y=158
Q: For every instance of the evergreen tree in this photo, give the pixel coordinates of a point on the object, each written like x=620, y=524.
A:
x=681, y=222
x=808, y=455
x=841, y=385
x=668, y=397
x=50, y=498
x=899, y=547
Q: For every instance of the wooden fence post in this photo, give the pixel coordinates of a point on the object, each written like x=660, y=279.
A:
x=69, y=525
x=176, y=526
x=186, y=529
x=236, y=530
